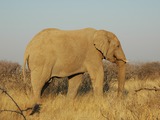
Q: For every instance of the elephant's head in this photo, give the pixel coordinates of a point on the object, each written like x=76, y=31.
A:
x=108, y=44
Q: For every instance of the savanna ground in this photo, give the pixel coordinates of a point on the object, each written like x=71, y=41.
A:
x=141, y=100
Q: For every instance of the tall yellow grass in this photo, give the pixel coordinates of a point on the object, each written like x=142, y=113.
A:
x=141, y=105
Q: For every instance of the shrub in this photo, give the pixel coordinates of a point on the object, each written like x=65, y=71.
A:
x=149, y=71
x=8, y=68
x=11, y=76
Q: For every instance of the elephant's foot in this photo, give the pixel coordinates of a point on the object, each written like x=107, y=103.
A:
x=36, y=109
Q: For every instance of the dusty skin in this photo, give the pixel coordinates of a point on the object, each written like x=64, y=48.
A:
x=61, y=53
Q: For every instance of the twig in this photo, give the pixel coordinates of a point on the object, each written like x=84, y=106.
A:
x=10, y=111
x=20, y=110
x=150, y=89
x=103, y=114
x=27, y=109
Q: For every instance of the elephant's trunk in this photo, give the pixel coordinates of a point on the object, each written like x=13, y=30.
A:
x=121, y=76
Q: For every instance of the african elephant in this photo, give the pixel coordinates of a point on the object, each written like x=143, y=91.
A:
x=60, y=53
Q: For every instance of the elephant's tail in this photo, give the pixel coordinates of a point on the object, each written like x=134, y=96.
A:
x=24, y=65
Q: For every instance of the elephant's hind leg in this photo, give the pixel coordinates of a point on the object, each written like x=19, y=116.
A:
x=46, y=85
x=38, y=79
x=74, y=82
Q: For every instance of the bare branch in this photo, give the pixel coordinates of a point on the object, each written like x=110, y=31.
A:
x=10, y=111
x=150, y=89
x=20, y=110
x=103, y=114
x=27, y=109
x=4, y=91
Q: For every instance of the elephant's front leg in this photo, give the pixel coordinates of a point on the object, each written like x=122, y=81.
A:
x=97, y=77
x=74, y=82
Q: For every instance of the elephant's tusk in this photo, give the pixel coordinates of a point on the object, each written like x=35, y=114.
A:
x=126, y=61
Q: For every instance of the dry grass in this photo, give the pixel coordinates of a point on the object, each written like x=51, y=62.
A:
x=141, y=105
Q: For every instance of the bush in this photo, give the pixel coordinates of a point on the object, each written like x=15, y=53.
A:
x=11, y=76
x=8, y=68
x=149, y=71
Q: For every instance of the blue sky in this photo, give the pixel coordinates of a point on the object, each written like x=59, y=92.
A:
x=135, y=22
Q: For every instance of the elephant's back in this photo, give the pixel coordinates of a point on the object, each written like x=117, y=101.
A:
x=41, y=39
x=55, y=39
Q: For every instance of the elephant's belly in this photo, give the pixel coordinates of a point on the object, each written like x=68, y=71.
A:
x=65, y=70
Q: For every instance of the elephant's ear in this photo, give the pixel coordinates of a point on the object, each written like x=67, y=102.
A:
x=114, y=44
x=101, y=41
